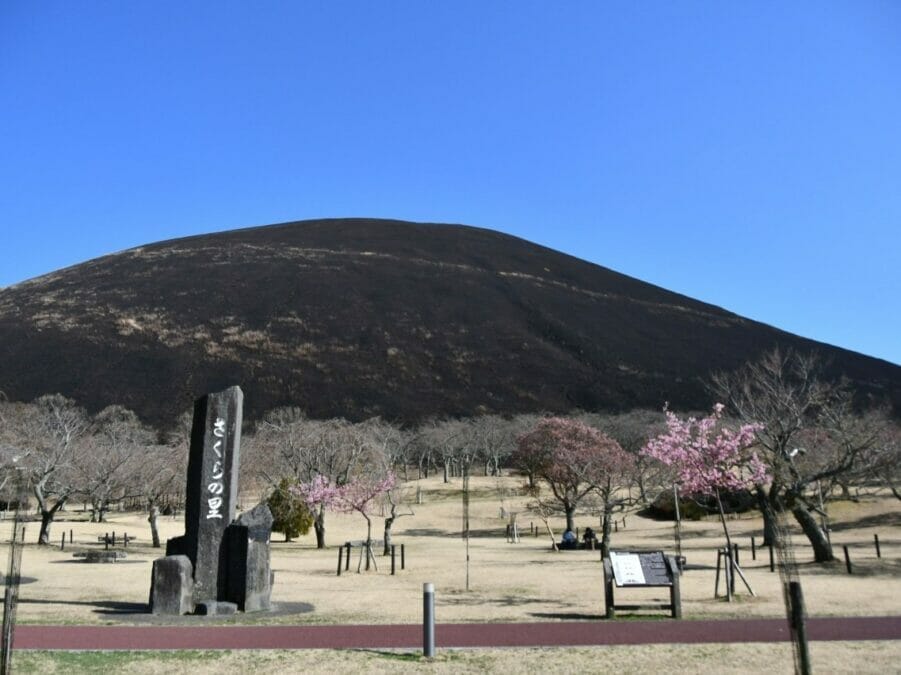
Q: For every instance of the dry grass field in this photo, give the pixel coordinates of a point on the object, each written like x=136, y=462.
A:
x=525, y=581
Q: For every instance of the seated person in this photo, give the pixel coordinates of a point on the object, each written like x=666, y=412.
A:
x=569, y=540
x=588, y=535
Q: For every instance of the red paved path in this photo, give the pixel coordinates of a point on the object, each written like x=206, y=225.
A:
x=448, y=635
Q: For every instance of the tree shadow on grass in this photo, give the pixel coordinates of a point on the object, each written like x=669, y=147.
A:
x=140, y=612
x=567, y=616
x=82, y=561
x=888, y=519
x=102, y=606
x=504, y=601
x=867, y=567
x=489, y=533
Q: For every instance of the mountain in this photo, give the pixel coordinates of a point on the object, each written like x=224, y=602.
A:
x=358, y=317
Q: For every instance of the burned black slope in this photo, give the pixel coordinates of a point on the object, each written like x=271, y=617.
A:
x=361, y=317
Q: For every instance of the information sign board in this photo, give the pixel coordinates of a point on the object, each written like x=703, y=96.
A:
x=640, y=569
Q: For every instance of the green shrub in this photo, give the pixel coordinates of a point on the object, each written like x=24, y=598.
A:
x=290, y=514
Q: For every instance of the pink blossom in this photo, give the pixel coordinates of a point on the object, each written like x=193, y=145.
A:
x=707, y=456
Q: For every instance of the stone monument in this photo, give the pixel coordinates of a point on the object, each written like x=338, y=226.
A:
x=220, y=565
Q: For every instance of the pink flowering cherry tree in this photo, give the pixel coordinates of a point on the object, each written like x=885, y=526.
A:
x=357, y=495
x=576, y=461
x=709, y=457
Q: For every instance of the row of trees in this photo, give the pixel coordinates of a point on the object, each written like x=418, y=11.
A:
x=808, y=436
x=63, y=454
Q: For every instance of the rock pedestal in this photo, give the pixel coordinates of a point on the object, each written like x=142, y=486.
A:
x=225, y=560
x=249, y=576
x=172, y=586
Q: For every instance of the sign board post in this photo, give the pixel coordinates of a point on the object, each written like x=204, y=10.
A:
x=641, y=569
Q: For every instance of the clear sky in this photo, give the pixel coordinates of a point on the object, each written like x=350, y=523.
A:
x=747, y=154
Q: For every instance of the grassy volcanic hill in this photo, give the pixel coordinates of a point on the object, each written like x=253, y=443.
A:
x=361, y=317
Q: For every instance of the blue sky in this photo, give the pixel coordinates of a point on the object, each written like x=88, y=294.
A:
x=746, y=154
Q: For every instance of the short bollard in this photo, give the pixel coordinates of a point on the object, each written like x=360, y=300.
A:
x=428, y=620
x=876, y=540
x=340, y=559
x=393, y=551
x=70, y=537
x=753, y=549
x=847, y=559
x=347, y=557
x=402, y=557
x=62, y=543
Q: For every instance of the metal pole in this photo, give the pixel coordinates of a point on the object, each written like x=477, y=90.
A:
x=428, y=620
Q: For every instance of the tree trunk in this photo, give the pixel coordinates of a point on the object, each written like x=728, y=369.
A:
x=154, y=531
x=46, y=522
x=822, y=549
x=319, y=527
x=605, y=534
x=389, y=521
x=445, y=471
x=769, y=515
x=570, y=517
x=730, y=571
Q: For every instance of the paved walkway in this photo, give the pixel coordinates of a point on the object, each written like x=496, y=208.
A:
x=409, y=636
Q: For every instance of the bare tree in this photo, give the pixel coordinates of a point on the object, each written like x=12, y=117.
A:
x=786, y=394
x=886, y=458
x=49, y=431
x=162, y=479
x=107, y=465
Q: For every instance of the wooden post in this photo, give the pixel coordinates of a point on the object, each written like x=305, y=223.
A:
x=753, y=548
x=615, y=527
x=114, y=537
x=392, y=559
x=876, y=541
x=798, y=625
x=716, y=583
x=847, y=559
x=62, y=543
x=772, y=560
x=347, y=557
x=608, y=589
x=125, y=540
x=624, y=522
x=106, y=541
x=675, y=593
x=70, y=537
x=340, y=559
x=735, y=553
